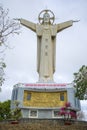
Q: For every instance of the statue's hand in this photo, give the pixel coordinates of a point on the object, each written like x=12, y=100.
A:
x=76, y=20
x=18, y=19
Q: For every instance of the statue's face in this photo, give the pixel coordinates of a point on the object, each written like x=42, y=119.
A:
x=46, y=18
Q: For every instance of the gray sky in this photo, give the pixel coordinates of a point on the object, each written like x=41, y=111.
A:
x=71, y=43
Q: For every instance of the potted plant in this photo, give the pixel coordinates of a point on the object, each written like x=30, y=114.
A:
x=16, y=113
x=67, y=113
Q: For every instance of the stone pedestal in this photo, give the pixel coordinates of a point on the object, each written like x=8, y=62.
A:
x=43, y=100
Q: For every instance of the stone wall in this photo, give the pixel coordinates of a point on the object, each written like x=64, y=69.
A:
x=43, y=125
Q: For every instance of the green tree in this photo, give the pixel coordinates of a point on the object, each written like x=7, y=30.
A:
x=5, y=112
x=8, y=27
x=2, y=66
x=80, y=83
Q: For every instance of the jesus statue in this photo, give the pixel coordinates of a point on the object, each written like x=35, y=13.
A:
x=46, y=33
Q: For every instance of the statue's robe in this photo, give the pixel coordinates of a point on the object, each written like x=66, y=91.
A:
x=46, y=37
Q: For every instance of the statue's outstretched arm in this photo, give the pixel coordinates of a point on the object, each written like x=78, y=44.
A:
x=27, y=24
x=65, y=25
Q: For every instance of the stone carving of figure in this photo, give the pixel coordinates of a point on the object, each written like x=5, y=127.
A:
x=46, y=33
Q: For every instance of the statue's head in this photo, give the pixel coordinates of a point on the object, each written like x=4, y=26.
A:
x=46, y=17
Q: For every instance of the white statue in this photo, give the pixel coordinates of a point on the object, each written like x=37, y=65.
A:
x=46, y=42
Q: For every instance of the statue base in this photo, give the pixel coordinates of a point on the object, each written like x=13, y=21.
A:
x=43, y=100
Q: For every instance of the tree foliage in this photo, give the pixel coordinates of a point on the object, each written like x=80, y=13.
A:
x=6, y=113
x=8, y=27
x=5, y=110
x=80, y=83
x=2, y=66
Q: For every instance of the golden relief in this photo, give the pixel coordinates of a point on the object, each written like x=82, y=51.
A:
x=44, y=99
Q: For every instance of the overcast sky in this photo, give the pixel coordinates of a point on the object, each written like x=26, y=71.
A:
x=71, y=44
